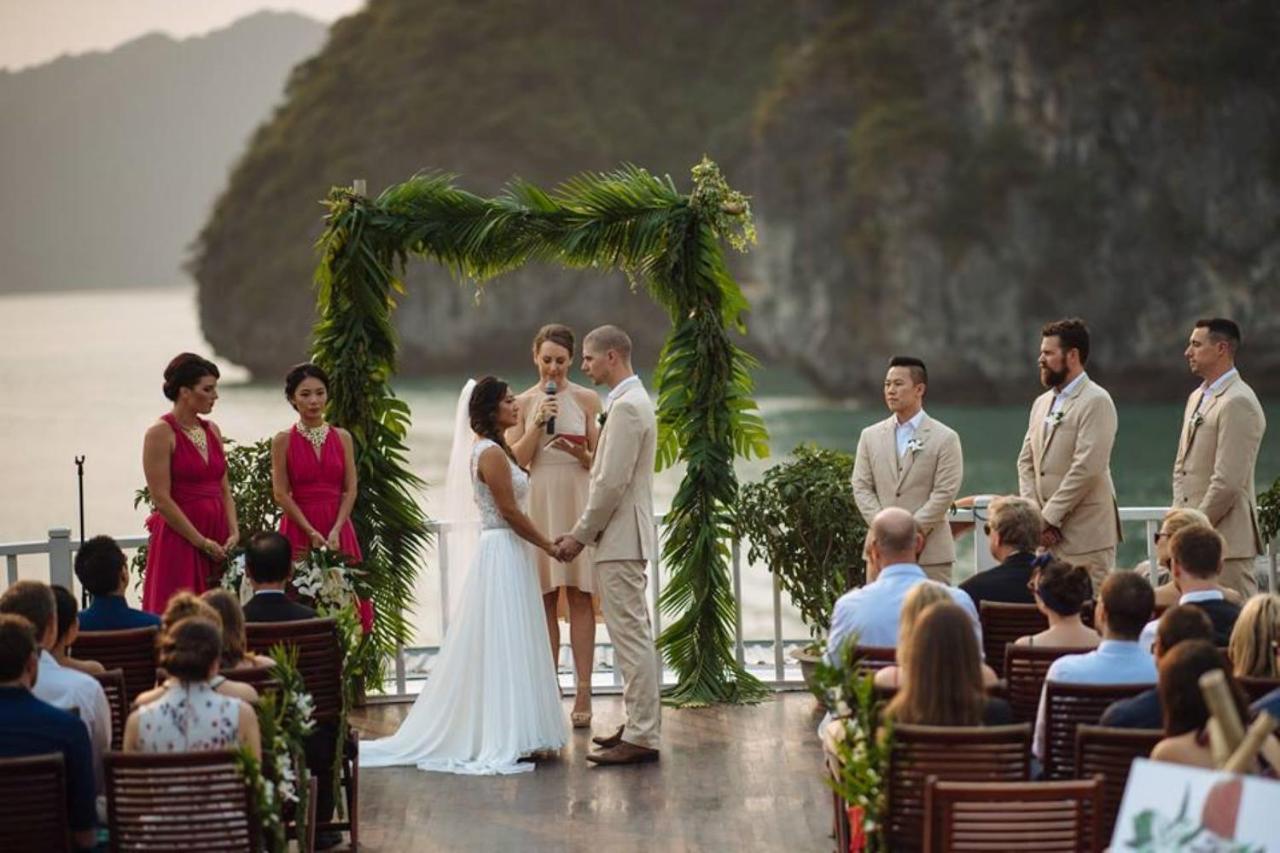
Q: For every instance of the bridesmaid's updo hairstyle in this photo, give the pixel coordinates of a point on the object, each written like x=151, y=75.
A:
x=190, y=647
x=1064, y=588
x=185, y=370
x=556, y=333
x=488, y=394
x=299, y=372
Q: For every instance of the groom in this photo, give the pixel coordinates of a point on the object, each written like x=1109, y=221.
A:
x=618, y=521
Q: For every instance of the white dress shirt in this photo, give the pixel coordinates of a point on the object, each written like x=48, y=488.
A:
x=67, y=688
x=1213, y=386
x=618, y=390
x=1060, y=396
x=904, y=432
x=870, y=613
x=1148, y=638
x=1113, y=662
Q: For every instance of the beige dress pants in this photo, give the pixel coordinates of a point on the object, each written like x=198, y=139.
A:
x=621, y=586
x=1238, y=574
x=1099, y=563
x=940, y=572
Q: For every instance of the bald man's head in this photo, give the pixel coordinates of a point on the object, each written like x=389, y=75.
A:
x=895, y=536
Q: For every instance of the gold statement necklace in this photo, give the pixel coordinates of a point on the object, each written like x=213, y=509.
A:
x=316, y=435
x=198, y=438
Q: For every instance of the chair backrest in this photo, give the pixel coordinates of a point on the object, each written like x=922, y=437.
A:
x=33, y=803
x=1068, y=706
x=260, y=678
x=1047, y=817
x=113, y=685
x=1256, y=688
x=1002, y=623
x=132, y=650
x=1025, y=668
x=1107, y=753
x=319, y=658
x=995, y=753
x=874, y=658
x=178, y=801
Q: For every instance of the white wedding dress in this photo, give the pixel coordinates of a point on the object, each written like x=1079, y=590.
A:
x=492, y=696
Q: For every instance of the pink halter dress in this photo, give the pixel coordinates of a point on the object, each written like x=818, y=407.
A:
x=315, y=481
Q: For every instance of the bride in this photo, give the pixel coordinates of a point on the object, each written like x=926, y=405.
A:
x=492, y=697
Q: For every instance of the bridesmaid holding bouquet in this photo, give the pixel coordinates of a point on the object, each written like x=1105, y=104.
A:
x=194, y=523
x=313, y=471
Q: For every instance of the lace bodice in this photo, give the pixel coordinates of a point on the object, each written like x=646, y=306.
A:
x=490, y=518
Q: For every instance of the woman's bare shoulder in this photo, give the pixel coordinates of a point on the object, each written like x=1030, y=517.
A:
x=586, y=398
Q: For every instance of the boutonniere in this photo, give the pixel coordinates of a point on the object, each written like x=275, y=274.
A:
x=915, y=445
x=1196, y=420
x=601, y=418
x=1056, y=417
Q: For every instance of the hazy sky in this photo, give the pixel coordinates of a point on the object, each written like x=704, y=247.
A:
x=35, y=31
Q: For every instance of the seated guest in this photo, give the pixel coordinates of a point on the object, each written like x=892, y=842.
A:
x=1270, y=702
x=29, y=726
x=191, y=716
x=1167, y=593
x=1256, y=638
x=186, y=605
x=919, y=598
x=268, y=565
x=235, y=654
x=1123, y=608
x=68, y=630
x=942, y=675
x=1196, y=557
x=1013, y=533
x=59, y=686
x=104, y=572
x=1178, y=623
x=1060, y=591
x=1186, y=739
x=870, y=613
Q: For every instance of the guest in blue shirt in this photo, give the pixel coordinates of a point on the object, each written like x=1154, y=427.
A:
x=870, y=614
x=1122, y=610
x=104, y=572
x=31, y=727
x=1181, y=622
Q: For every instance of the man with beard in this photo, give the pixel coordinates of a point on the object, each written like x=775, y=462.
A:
x=1222, y=430
x=912, y=461
x=1065, y=463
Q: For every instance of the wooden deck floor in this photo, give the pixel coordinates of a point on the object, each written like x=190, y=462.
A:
x=730, y=778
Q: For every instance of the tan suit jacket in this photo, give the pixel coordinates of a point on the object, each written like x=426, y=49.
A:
x=618, y=518
x=924, y=482
x=1065, y=468
x=1214, y=468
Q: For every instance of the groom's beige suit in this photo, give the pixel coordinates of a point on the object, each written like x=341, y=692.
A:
x=618, y=521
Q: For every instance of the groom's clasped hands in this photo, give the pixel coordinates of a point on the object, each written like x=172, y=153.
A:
x=565, y=548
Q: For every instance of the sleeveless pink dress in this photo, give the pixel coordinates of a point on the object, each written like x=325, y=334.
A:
x=173, y=563
x=315, y=481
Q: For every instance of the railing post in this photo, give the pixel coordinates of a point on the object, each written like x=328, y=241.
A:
x=779, y=660
x=60, y=556
x=1153, y=562
x=982, y=559
x=738, y=650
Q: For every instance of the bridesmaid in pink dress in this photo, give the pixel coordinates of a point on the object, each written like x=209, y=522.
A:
x=313, y=471
x=194, y=522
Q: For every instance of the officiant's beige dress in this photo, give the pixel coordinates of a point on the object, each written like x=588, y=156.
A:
x=558, y=493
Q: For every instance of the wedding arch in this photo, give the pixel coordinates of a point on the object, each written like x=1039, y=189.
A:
x=667, y=242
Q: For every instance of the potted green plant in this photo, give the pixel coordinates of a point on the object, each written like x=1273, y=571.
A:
x=801, y=520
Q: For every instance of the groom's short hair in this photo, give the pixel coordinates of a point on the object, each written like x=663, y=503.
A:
x=919, y=373
x=609, y=338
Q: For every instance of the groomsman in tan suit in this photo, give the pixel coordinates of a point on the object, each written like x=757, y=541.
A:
x=911, y=461
x=1222, y=429
x=618, y=521
x=1065, y=464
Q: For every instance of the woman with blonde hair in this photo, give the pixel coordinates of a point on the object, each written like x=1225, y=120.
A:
x=920, y=597
x=942, y=674
x=1168, y=594
x=1255, y=639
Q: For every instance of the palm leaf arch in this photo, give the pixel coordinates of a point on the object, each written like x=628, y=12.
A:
x=667, y=242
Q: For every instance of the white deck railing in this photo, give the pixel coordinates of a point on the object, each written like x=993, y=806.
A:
x=60, y=549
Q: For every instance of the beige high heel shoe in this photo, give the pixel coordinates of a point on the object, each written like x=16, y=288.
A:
x=581, y=719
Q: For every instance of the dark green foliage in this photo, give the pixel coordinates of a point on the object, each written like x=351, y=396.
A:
x=1269, y=513
x=801, y=520
x=630, y=220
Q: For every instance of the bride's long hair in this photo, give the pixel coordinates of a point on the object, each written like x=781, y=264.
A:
x=488, y=394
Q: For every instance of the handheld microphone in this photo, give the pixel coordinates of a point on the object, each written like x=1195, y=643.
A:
x=551, y=421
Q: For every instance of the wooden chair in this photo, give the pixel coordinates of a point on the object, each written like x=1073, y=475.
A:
x=1025, y=668
x=875, y=658
x=33, y=803
x=180, y=801
x=260, y=678
x=320, y=664
x=990, y=754
x=1047, y=817
x=133, y=651
x=1068, y=706
x=1107, y=753
x=1002, y=623
x=112, y=682
x=1255, y=688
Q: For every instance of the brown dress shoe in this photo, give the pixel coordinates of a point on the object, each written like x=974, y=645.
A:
x=610, y=741
x=624, y=753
